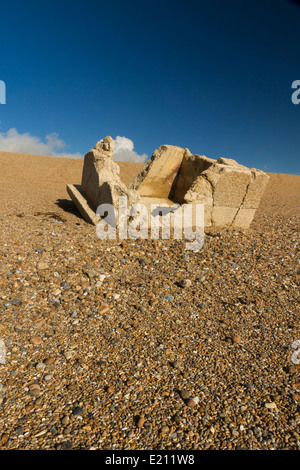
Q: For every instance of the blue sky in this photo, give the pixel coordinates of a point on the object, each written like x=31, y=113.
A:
x=212, y=76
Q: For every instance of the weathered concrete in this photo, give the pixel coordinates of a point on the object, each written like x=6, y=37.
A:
x=226, y=188
x=230, y=192
x=101, y=181
x=85, y=209
x=191, y=167
x=157, y=178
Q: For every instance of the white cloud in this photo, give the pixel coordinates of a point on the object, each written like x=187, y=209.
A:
x=124, y=152
x=12, y=141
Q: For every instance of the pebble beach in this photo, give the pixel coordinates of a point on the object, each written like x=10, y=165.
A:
x=142, y=344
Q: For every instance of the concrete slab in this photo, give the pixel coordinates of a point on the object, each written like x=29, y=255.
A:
x=82, y=204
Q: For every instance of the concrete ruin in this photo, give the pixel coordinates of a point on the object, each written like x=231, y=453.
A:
x=230, y=192
x=100, y=182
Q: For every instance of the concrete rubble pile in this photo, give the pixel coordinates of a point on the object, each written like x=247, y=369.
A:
x=230, y=192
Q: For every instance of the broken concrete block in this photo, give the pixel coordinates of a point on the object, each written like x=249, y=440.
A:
x=243, y=218
x=224, y=187
x=110, y=192
x=101, y=181
x=201, y=190
x=201, y=193
x=97, y=169
x=157, y=178
x=106, y=146
x=231, y=162
x=229, y=192
x=257, y=186
x=229, y=184
x=192, y=166
x=222, y=216
x=85, y=209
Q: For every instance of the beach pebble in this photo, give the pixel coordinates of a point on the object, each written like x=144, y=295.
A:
x=185, y=394
x=236, y=339
x=271, y=406
x=141, y=422
x=185, y=283
x=192, y=402
x=35, y=340
x=42, y=265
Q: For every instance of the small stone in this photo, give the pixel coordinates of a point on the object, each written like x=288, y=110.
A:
x=40, y=366
x=271, y=406
x=56, y=292
x=41, y=265
x=185, y=394
x=35, y=393
x=65, y=420
x=141, y=422
x=34, y=387
x=19, y=430
x=35, y=340
x=69, y=354
x=65, y=285
x=78, y=411
x=291, y=369
x=4, y=438
x=168, y=297
x=185, y=283
x=48, y=377
x=87, y=428
x=66, y=445
x=165, y=430
x=103, y=309
x=236, y=339
x=192, y=402
x=110, y=389
x=29, y=407
x=49, y=361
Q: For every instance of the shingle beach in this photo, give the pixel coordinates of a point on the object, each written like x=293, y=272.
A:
x=142, y=344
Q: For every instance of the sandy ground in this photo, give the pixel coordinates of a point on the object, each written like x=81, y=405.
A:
x=35, y=183
x=108, y=349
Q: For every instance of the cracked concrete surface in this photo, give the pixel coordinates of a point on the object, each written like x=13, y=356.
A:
x=230, y=192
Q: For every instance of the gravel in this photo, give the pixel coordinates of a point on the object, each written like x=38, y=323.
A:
x=108, y=348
